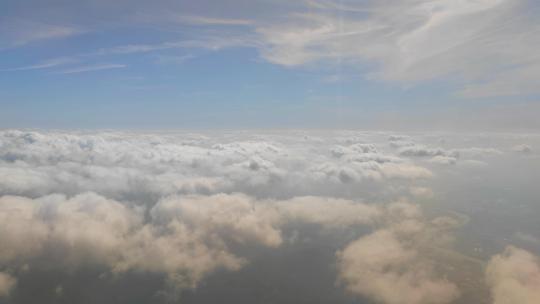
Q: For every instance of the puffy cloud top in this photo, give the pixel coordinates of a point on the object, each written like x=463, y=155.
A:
x=514, y=277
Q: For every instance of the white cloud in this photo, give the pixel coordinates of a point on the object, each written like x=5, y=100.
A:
x=208, y=42
x=423, y=151
x=483, y=48
x=162, y=59
x=91, y=227
x=379, y=266
x=184, y=205
x=51, y=63
x=185, y=237
x=88, y=229
x=18, y=32
x=328, y=212
x=236, y=216
x=413, y=41
x=391, y=265
x=441, y=156
x=514, y=277
x=203, y=20
x=91, y=68
x=138, y=166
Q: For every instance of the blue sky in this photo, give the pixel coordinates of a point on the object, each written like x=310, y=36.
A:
x=280, y=64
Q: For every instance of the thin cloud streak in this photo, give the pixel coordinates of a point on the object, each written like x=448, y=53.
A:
x=209, y=42
x=18, y=33
x=92, y=68
x=202, y=20
x=43, y=65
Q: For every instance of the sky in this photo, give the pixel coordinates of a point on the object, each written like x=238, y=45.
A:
x=412, y=64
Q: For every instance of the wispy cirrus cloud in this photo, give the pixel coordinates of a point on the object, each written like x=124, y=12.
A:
x=16, y=33
x=202, y=20
x=481, y=48
x=47, y=64
x=204, y=42
x=478, y=46
x=92, y=68
x=165, y=59
x=486, y=48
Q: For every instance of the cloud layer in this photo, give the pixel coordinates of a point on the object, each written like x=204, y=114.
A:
x=185, y=207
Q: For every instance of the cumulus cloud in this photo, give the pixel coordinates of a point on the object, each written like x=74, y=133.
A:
x=188, y=237
x=236, y=216
x=183, y=237
x=185, y=206
x=438, y=155
x=390, y=265
x=514, y=277
x=380, y=267
x=422, y=151
x=358, y=162
x=90, y=227
x=328, y=212
x=139, y=166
